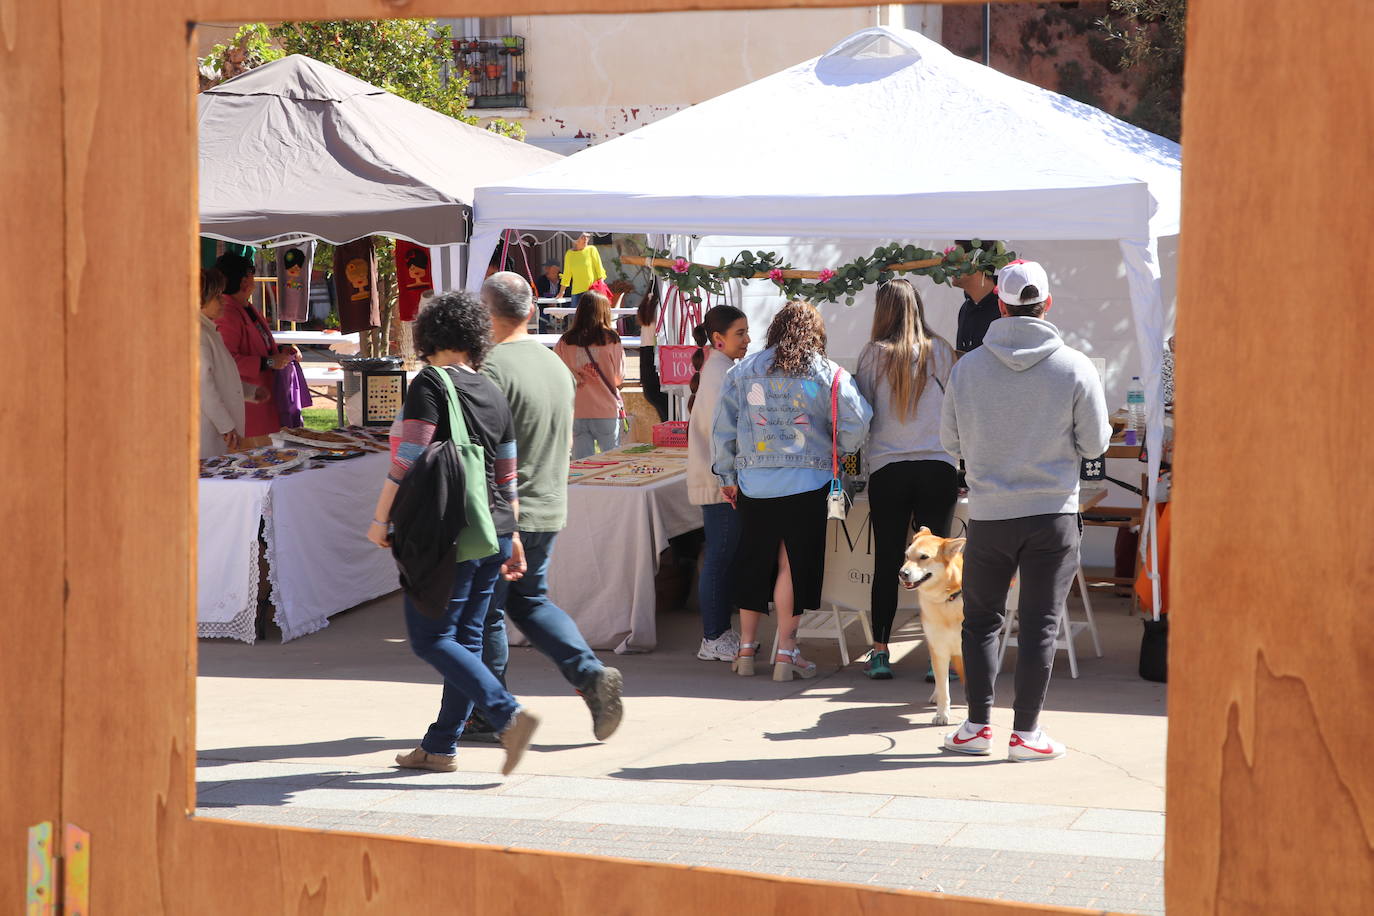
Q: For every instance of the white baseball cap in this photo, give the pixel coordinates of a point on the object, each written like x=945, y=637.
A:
x=1013, y=280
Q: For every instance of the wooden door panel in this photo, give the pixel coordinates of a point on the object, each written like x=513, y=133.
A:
x=1267, y=794
x=33, y=408
x=1271, y=795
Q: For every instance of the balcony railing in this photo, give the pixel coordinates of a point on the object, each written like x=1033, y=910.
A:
x=495, y=68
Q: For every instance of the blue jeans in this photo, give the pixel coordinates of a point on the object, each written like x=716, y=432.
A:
x=452, y=644
x=716, y=585
x=588, y=434
x=547, y=626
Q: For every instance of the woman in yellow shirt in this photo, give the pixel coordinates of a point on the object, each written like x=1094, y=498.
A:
x=581, y=268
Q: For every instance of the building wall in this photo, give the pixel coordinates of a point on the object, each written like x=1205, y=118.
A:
x=603, y=76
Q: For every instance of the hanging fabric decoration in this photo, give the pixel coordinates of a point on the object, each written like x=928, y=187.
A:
x=355, y=286
x=413, y=277
x=294, y=264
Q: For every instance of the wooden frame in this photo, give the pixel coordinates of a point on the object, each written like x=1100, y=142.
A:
x=1271, y=798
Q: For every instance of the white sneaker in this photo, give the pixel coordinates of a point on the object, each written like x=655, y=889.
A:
x=970, y=739
x=1040, y=747
x=723, y=648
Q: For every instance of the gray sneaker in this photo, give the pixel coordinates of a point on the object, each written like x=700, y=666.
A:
x=723, y=648
x=602, y=697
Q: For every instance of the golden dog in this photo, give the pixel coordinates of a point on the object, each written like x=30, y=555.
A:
x=935, y=568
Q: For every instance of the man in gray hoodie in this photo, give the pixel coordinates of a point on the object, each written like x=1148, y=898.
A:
x=1020, y=411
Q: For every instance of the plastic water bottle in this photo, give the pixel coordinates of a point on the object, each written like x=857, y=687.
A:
x=1135, y=411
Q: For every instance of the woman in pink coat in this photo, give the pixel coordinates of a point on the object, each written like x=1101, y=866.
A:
x=250, y=343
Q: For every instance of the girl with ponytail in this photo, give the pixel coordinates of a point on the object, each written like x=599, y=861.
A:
x=912, y=481
x=723, y=337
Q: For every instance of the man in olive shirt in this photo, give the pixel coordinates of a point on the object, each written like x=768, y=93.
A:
x=540, y=390
x=980, y=308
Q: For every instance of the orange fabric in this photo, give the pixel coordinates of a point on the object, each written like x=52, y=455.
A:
x=1142, y=583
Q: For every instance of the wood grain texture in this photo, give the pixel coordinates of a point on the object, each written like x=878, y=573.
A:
x=31, y=445
x=1271, y=793
x=1270, y=800
x=129, y=618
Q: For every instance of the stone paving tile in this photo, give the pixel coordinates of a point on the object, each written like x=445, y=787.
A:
x=1064, y=842
x=792, y=800
x=265, y=771
x=1113, y=820
x=856, y=828
x=463, y=804
x=275, y=793
x=612, y=790
x=979, y=812
x=661, y=816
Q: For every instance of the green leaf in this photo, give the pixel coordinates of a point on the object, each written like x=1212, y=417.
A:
x=848, y=300
x=871, y=275
x=976, y=243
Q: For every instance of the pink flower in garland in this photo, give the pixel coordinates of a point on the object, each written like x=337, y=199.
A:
x=680, y=266
x=948, y=250
x=826, y=275
x=776, y=275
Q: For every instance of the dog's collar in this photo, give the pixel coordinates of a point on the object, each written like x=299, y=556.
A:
x=953, y=595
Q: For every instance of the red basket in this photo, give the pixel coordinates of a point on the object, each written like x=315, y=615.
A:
x=672, y=434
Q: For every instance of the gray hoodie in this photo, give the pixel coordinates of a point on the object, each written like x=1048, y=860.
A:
x=1020, y=411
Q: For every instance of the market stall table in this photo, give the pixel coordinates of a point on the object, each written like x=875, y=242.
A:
x=565, y=312
x=319, y=560
x=320, y=338
x=604, y=562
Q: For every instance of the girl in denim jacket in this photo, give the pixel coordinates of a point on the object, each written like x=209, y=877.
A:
x=771, y=447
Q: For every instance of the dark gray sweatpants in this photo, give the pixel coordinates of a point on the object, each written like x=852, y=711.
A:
x=1045, y=550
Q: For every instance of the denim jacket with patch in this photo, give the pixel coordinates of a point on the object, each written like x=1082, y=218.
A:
x=765, y=420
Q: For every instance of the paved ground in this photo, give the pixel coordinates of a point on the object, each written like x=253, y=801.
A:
x=838, y=778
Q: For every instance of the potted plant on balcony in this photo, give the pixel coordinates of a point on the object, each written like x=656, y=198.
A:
x=494, y=71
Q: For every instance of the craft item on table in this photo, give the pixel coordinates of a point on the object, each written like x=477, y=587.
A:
x=355, y=286
x=339, y=454
x=270, y=460
x=413, y=278
x=294, y=264
x=635, y=475
x=638, y=449
x=318, y=438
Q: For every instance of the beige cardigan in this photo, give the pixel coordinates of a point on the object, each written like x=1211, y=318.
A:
x=703, y=486
x=221, y=391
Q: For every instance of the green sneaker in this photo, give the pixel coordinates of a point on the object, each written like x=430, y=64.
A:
x=877, y=667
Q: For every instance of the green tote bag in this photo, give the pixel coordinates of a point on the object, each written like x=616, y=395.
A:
x=478, y=538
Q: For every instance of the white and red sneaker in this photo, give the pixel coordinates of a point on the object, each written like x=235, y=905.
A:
x=1039, y=746
x=970, y=739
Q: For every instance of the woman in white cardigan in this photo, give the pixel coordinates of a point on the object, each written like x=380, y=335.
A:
x=222, y=392
x=723, y=337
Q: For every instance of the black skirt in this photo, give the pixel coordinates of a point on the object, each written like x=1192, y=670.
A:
x=797, y=521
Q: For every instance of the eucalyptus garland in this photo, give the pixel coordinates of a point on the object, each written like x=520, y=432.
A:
x=827, y=285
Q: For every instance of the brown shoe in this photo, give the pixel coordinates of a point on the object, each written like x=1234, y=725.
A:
x=517, y=737
x=420, y=759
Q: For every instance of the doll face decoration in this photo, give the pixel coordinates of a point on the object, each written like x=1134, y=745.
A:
x=294, y=261
x=417, y=267
x=357, y=274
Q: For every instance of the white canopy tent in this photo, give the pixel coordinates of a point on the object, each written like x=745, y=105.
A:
x=299, y=148
x=888, y=136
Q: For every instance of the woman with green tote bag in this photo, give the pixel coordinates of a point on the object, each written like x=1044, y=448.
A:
x=450, y=403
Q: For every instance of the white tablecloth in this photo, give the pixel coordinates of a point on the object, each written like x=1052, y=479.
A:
x=320, y=561
x=603, y=566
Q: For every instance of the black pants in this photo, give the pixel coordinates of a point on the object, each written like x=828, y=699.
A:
x=902, y=497
x=649, y=381
x=1045, y=549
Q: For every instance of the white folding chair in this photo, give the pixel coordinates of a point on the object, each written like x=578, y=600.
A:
x=1065, y=634
x=829, y=623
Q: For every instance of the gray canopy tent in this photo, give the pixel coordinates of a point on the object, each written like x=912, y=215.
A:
x=297, y=148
